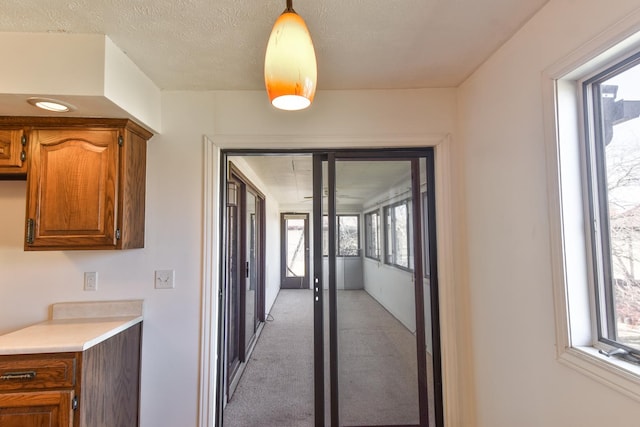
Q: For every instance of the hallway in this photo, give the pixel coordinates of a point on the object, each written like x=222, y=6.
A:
x=377, y=366
x=276, y=388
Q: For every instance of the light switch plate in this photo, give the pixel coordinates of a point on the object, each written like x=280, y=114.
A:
x=90, y=281
x=164, y=279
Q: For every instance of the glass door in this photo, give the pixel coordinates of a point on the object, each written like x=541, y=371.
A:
x=233, y=279
x=376, y=360
x=295, y=251
x=244, y=274
x=251, y=266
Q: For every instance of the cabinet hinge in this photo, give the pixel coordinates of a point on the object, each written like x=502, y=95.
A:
x=23, y=154
x=30, y=231
x=74, y=403
x=117, y=234
x=120, y=140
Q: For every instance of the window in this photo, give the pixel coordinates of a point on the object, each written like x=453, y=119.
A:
x=398, y=242
x=612, y=110
x=372, y=235
x=348, y=235
x=425, y=235
x=593, y=165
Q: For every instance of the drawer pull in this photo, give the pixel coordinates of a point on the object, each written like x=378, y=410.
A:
x=28, y=375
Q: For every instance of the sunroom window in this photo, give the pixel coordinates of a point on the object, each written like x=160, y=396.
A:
x=347, y=235
x=372, y=235
x=398, y=244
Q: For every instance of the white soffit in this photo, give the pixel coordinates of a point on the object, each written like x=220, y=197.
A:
x=85, y=70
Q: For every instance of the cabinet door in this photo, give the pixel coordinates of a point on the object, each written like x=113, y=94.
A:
x=13, y=152
x=46, y=408
x=72, y=185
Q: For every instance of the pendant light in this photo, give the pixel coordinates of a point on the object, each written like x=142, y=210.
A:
x=290, y=71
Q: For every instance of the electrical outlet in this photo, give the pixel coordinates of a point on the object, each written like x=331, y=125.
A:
x=165, y=279
x=90, y=281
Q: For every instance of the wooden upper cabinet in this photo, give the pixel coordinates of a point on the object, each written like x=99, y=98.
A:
x=13, y=153
x=85, y=183
x=72, y=187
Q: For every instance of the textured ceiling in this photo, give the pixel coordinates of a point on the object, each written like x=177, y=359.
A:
x=290, y=179
x=220, y=44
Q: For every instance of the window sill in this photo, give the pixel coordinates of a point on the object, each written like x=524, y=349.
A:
x=615, y=373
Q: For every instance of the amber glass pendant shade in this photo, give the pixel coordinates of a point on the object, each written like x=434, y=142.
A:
x=290, y=71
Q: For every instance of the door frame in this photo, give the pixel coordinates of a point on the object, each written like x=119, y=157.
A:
x=454, y=310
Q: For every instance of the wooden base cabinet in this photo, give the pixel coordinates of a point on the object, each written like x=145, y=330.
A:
x=98, y=387
x=46, y=408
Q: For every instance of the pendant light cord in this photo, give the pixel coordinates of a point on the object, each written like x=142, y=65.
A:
x=289, y=6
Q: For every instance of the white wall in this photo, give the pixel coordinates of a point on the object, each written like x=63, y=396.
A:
x=393, y=288
x=337, y=113
x=31, y=281
x=519, y=382
x=86, y=70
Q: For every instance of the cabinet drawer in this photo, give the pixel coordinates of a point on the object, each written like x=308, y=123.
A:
x=37, y=372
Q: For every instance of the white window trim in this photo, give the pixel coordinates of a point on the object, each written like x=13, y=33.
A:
x=569, y=240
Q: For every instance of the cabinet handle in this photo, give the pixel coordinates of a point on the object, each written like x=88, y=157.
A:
x=28, y=375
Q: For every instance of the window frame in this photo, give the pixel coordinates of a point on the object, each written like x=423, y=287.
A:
x=572, y=269
x=339, y=252
x=368, y=233
x=325, y=231
x=390, y=256
x=426, y=265
x=598, y=204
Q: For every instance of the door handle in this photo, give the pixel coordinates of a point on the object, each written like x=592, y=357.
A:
x=247, y=269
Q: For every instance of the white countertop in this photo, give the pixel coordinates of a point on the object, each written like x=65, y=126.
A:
x=55, y=336
x=69, y=332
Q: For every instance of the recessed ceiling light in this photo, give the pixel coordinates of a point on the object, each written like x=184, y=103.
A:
x=49, y=104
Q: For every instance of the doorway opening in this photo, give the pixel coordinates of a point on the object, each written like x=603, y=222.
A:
x=367, y=304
